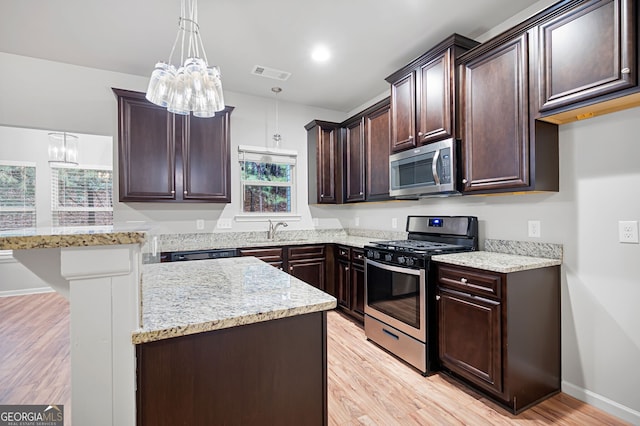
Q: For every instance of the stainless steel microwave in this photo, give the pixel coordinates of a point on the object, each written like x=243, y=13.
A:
x=429, y=170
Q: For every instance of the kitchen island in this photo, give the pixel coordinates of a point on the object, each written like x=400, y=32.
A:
x=232, y=332
x=230, y=341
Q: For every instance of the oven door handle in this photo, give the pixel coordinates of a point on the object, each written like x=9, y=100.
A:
x=397, y=269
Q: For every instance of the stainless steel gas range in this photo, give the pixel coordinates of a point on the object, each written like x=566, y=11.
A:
x=399, y=297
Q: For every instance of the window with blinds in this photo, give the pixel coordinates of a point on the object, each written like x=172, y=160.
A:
x=17, y=196
x=267, y=180
x=81, y=196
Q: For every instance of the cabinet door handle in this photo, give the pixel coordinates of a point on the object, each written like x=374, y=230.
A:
x=625, y=71
x=463, y=280
x=438, y=297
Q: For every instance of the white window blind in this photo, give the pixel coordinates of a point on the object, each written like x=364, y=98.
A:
x=81, y=196
x=17, y=196
x=267, y=179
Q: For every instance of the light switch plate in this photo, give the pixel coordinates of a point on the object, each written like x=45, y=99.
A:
x=628, y=231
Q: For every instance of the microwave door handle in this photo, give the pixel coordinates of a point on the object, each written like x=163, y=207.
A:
x=434, y=167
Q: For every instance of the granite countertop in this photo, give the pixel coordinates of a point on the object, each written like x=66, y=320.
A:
x=183, y=298
x=60, y=237
x=224, y=240
x=496, y=262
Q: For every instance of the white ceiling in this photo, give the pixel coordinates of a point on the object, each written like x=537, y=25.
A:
x=369, y=39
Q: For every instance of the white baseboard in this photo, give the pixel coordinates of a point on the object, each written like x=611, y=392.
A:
x=605, y=404
x=25, y=291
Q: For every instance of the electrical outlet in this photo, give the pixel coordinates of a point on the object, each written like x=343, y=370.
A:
x=628, y=231
x=357, y=221
x=224, y=223
x=394, y=222
x=200, y=224
x=534, y=228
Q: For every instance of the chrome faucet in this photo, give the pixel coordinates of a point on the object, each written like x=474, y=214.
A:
x=272, y=229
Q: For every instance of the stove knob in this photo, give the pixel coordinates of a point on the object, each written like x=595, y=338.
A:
x=376, y=255
x=388, y=257
x=410, y=261
x=401, y=260
x=369, y=253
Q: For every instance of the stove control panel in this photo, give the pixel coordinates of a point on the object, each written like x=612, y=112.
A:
x=396, y=258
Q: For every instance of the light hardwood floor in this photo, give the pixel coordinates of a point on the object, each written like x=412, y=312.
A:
x=367, y=386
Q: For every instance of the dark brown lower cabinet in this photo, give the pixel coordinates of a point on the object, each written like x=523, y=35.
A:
x=350, y=281
x=307, y=262
x=267, y=373
x=500, y=333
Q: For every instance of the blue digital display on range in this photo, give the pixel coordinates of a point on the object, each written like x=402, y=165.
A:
x=435, y=222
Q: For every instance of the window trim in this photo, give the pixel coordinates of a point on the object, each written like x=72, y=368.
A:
x=268, y=155
x=23, y=209
x=54, y=208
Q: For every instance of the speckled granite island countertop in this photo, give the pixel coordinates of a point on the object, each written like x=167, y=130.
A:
x=496, y=262
x=182, y=298
x=59, y=238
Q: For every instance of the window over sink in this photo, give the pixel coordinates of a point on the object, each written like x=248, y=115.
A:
x=267, y=180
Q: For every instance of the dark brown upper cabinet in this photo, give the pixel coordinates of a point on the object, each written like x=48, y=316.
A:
x=504, y=149
x=164, y=157
x=349, y=161
x=324, y=156
x=423, y=96
x=377, y=125
x=354, y=156
x=586, y=53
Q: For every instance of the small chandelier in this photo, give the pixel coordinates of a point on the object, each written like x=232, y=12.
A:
x=194, y=86
x=63, y=148
x=277, y=138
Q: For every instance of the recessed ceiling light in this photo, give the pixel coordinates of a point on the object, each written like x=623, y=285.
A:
x=320, y=54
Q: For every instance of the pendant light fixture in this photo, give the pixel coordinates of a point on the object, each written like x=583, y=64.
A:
x=63, y=148
x=277, y=138
x=193, y=86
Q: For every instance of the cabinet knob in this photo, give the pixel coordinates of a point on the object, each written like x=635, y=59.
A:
x=361, y=193
x=186, y=192
x=438, y=297
x=625, y=71
x=463, y=280
x=321, y=195
x=291, y=268
x=173, y=192
x=346, y=269
x=464, y=180
x=420, y=133
x=410, y=137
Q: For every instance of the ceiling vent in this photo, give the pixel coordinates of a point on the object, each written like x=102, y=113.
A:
x=270, y=73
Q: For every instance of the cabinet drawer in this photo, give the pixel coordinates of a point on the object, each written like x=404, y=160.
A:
x=470, y=280
x=270, y=255
x=305, y=252
x=343, y=252
x=357, y=256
